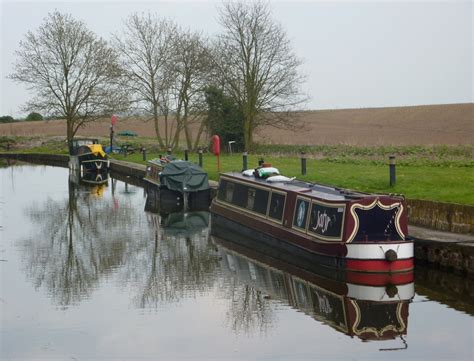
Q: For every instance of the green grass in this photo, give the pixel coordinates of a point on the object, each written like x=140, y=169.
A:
x=451, y=183
x=440, y=173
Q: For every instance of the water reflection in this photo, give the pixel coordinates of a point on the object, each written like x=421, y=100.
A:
x=104, y=269
x=178, y=262
x=453, y=290
x=78, y=241
x=372, y=309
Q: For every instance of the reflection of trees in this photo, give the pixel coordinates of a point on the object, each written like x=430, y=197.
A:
x=172, y=265
x=82, y=238
x=249, y=310
x=78, y=240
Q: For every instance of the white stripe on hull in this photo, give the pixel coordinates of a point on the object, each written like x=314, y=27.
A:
x=369, y=293
x=377, y=251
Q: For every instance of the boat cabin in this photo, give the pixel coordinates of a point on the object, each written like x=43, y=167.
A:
x=326, y=213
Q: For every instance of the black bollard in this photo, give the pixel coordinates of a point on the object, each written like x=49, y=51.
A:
x=111, y=138
x=245, y=160
x=144, y=153
x=303, y=163
x=200, y=157
x=169, y=151
x=393, y=178
x=186, y=157
x=260, y=162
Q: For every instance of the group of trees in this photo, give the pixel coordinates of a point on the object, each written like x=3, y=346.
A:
x=33, y=116
x=246, y=77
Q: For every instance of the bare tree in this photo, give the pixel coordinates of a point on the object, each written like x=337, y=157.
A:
x=145, y=51
x=72, y=72
x=191, y=66
x=256, y=65
x=163, y=68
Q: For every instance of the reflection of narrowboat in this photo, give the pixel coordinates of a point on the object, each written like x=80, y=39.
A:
x=331, y=226
x=94, y=183
x=180, y=182
x=365, y=311
x=88, y=155
x=172, y=219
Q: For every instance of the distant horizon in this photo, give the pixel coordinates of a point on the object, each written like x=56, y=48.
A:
x=356, y=55
x=301, y=110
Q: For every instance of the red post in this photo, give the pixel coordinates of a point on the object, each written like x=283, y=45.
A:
x=216, y=149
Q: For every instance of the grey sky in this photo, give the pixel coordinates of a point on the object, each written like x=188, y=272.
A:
x=356, y=54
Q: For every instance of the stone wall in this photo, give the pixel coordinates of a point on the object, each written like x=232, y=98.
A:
x=447, y=255
x=449, y=217
x=57, y=160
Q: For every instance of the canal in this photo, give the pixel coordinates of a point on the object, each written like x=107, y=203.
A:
x=91, y=272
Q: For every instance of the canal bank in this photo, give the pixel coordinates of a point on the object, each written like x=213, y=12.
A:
x=452, y=251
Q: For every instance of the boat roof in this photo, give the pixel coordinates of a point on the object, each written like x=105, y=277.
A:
x=304, y=188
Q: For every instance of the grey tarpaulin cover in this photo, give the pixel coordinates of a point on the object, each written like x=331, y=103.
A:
x=183, y=176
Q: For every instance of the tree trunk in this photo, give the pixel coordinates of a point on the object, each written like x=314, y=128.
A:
x=247, y=132
x=157, y=128
x=198, y=136
x=187, y=131
x=69, y=133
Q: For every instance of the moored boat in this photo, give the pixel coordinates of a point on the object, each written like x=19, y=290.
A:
x=333, y=227
x=87, y=155
x=180, y=182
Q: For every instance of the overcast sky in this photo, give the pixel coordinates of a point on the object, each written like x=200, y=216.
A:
x=356, y=54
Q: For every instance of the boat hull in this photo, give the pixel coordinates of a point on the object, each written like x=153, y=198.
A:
x=332, y=255
x=90, y=162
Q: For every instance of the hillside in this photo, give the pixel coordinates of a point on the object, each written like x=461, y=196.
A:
x=414, y=125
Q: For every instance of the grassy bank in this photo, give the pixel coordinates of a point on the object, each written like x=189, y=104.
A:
x=440, y=173
x=452, y=182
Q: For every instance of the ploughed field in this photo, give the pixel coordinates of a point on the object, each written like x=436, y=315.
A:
x=450, y=124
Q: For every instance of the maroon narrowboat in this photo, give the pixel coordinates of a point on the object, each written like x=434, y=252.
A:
x=335, y=227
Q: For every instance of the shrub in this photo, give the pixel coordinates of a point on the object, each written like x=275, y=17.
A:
x=34, y=117
x=6, y=119
x=224, y=118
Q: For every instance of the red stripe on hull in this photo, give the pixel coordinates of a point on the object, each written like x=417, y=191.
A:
x=380, y=279
x=379, y=265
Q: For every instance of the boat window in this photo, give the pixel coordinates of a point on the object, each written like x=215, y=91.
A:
x=251, y=198
x=261, y=201
x=221, y=193
x=326, y=220
x=277, y=204
x=229, y=191
x=240, y=194
x=301, y=213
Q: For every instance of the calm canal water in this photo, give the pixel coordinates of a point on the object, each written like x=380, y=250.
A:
x=91, y=273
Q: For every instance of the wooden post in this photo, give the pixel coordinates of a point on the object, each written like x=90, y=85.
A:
x=200, y=157
x=393, y=178
x=303, y=163
x=245, y=160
